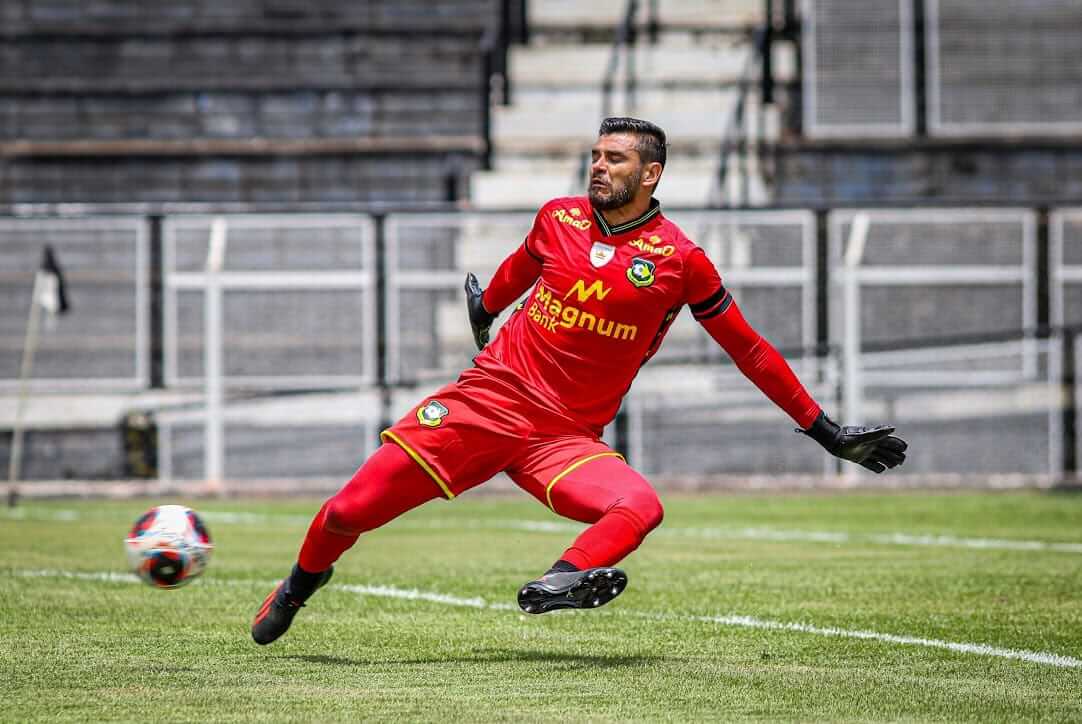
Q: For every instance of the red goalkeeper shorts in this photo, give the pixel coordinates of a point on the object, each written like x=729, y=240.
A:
x=474, y=428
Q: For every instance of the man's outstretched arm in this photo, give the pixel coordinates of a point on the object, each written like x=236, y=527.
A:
x=874, y=448
x=514, y=276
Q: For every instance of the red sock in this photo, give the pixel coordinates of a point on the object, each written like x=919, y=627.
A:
x=608, y=541
x=386, y=486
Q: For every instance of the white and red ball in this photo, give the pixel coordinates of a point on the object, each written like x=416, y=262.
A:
x=168, y=546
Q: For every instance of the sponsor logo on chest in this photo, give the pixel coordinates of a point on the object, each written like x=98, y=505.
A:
x=553, y=314
x=653, y=245
x=571, y=218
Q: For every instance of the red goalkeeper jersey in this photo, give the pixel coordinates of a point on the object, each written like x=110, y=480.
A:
x=602, y=299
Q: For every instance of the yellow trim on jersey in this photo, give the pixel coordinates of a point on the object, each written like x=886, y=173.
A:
x=388, y=435
x=571, y=468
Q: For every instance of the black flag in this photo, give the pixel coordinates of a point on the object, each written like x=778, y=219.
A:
x=52, y=292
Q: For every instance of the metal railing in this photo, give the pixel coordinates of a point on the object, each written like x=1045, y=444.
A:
x=736, y=134
x=496, y=80
x=401, y=274
x=623, y=49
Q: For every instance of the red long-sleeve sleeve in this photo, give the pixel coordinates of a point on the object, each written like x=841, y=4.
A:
x=754, y=356
x=514, y=276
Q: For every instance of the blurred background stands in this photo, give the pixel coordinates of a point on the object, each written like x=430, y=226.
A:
x=364, y=155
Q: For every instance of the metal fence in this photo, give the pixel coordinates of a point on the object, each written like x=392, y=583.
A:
x=712, y=421
x=935, y=272
x=990, y=409
x=312, y=436
x=349, y=319
x=1075, y=399
x=1002, y=67
x=1065, y=262
x=767, y=259
x=105, y=261
x=298, y=300
x=427, y=259
x=858, y=69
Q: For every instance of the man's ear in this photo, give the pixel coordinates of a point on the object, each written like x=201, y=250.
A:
x=651, y=174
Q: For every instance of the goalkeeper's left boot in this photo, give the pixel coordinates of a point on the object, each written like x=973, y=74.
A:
x=278, y=609
x=590, y=588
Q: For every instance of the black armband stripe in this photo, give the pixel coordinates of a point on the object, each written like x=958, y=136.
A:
x=710, y=301
x=717, y=309
x=526, y=246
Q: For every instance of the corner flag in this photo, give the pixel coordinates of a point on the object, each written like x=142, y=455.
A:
x=52, y=291
x=50, y=294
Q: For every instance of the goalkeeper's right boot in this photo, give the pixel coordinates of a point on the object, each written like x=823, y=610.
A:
x=278, y=609
x=590, y=588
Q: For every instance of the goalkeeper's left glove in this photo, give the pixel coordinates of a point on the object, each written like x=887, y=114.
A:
x=480, y=318
x=873, y=447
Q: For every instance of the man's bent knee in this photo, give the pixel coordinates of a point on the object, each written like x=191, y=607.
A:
x=651, y=512
x=644, y=511
x=341, y=518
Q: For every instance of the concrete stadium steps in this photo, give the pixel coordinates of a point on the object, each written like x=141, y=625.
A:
x=202, y=63
x=237, y=114
x=277, y=179
x=117, y=17
x=557, y=15
x=678, y=60
x=522, y=127
x=108, y=101
x=693, y=125
x=686, y=182
x=688, y=82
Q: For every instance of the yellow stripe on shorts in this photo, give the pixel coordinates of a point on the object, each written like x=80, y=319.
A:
x=388, y=435
x=572, y=467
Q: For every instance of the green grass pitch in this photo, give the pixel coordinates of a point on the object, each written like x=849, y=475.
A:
x=840, y=607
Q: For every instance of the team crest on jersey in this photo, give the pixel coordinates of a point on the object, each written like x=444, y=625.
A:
x=431, y=414
x=641, y=272
x=601, y=253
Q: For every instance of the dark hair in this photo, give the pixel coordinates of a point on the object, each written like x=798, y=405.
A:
x=651, y=145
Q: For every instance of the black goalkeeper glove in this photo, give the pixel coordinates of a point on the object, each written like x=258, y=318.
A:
x=873, y=447
x=480, y=318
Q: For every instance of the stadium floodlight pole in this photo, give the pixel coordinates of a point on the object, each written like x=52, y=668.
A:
x=854, y=386
x=213, y=442
x=29, y=347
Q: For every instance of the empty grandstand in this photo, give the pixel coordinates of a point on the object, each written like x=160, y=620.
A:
x=264, y=211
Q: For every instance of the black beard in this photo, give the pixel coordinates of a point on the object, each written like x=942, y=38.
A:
x=621, y=196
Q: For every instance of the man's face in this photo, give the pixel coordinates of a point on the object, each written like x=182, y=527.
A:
x=616, y=171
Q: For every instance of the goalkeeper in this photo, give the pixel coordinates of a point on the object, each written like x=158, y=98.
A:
x=607, y=274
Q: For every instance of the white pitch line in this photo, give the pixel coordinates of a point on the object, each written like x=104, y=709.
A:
x=775, y=534
x=907, y=539
x=412, y=594
x=541, y=526
x=1037, y=657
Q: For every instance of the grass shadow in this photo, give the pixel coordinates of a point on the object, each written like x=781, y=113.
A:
x=490, y=656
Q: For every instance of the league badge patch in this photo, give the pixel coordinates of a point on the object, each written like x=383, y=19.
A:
x=431, y=414
x=601, y=254
x=641, y=272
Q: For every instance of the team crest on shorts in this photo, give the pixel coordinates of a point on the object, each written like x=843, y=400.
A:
x=431, y=414
x=641, y=272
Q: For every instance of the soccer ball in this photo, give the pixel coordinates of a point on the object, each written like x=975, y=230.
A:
x=168, y=546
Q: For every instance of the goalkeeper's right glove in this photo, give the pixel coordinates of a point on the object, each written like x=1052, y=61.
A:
x=480, y=318
x=873, y=447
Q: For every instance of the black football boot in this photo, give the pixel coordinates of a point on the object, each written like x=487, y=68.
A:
x=279, y=608
x=590, y=588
